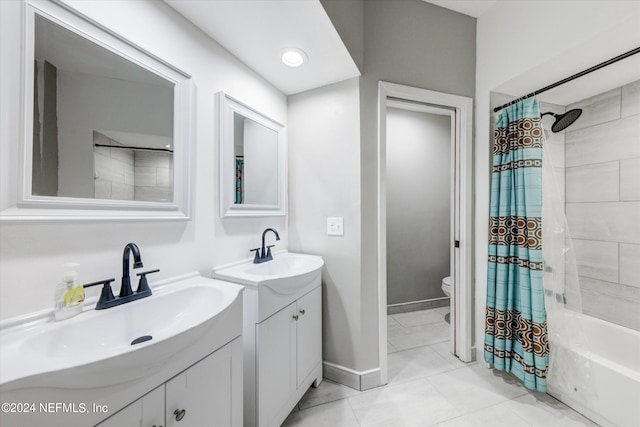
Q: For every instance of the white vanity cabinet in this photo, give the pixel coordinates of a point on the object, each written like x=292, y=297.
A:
x=208, y=394
x=148, y=411
x=289, y=350
x=281, y=333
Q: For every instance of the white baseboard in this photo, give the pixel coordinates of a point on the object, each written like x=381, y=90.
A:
x=359, y=380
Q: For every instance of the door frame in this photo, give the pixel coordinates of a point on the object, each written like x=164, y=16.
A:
x=462, y=289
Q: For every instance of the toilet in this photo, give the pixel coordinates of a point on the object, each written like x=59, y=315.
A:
x=446, y=286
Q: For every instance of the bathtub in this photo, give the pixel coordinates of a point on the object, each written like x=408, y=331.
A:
x=597, y=370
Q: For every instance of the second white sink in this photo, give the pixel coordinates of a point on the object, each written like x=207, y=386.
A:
x=287, y=273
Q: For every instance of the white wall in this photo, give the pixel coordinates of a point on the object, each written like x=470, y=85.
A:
x=31, y=254
x=418, y=193
x=324, y=181
x=514, y=37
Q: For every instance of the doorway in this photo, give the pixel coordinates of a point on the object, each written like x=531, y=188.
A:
x=457, y=112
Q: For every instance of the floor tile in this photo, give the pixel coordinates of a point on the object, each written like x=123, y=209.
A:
x=422, y=317
x=393, y=326
x=414, y=403
x=334, y=414
x=328, y=391
x=539, y=411
x=476, y=387
x=416, y=363
x=421, y=335
x=428, y=386
x=494, y=416
x=443, y=349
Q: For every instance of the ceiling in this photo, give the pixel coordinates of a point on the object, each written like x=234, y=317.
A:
x=600, y=48
x=257, y=31
x=473, y=8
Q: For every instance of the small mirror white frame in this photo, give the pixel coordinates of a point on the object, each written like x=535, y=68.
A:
x=28, y=207
x=227, y=108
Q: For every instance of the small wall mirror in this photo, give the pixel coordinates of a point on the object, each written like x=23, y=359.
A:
x=252, y=161
x=106, y=125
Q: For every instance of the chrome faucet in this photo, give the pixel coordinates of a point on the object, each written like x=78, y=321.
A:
x=264, y=254
x=107, y=299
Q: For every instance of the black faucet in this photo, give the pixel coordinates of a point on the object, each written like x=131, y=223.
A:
x=125, y=287
x=264, y=254
x=107, y=300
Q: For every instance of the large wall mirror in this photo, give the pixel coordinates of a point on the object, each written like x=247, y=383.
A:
x=252, y=161
x=106, y=124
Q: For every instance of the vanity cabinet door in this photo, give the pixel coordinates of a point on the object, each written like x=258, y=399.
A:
x=148, y=411
x=201, y=395
x=276, y=358
x=309, y=334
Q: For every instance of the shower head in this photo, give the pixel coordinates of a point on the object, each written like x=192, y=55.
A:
x=564, y=120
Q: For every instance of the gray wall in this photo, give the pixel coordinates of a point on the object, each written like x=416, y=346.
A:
x=324, y=181
x=348, y=20
x=412, y=43
x=405, y=41
x=603, y=203
x=418, y=204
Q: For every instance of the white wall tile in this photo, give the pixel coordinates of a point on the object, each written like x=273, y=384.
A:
x=102, y=189
x=597, y=259
x=597, y=109
x=613, y=302
x=122, y=154
x=153, y=159
x=164, y=177
x=630, y=264
x=593, y=183
x=105, y=151
x=630, y=178
x=121, y=191
x=145, y=176
x=152, y=194
x=609, y=141
x=610, y=221
x=631, y=99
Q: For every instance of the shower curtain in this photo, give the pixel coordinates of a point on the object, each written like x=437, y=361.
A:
x=516, y=330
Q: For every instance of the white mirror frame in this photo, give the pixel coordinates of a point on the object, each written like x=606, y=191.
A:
x=227, y=106
x=27, y=207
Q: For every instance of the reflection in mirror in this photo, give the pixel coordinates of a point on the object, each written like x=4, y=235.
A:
x=132, y=167
x=252, y=161
x=102, y=125
x=256, y=162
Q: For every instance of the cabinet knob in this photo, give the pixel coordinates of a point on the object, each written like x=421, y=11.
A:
x=302, y=311
x=179, y=413
x=295, y=317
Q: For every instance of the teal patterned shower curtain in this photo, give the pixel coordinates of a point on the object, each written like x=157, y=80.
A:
x=516, y=322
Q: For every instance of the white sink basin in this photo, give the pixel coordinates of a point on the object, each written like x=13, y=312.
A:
x=286, y=273
x=95, y=349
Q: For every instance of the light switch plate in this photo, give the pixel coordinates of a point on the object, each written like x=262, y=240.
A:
x=335, y=226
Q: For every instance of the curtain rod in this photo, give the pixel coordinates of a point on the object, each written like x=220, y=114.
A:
x=128, y=147
x=573, y=77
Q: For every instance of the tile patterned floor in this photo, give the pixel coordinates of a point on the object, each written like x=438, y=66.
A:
x=430, y=387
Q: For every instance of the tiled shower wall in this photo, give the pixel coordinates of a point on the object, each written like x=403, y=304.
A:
x=602, y=184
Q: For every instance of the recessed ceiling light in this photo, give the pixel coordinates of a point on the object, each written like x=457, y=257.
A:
x=168, y=145
x=294, y=57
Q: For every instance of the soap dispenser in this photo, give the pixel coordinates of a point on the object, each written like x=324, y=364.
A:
x=69, y=296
